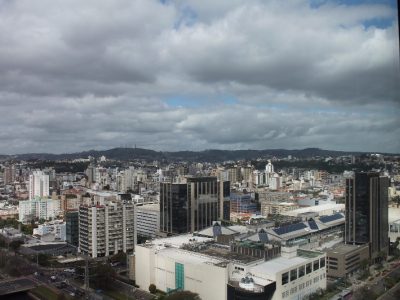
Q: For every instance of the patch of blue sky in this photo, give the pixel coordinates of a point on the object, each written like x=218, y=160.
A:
x=229, y=100
x=379, y=23
x=188, y=17
x=185, y=102
x=318, y=3
x=372, y=22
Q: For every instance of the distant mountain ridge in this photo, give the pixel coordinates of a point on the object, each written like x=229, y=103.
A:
x=126, y=154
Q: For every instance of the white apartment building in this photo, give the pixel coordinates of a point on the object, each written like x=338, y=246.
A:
x=105, y=229
x=129, y=179
x=147, y=219
x=200, y=265
x=38, y=185
x=55, y=228
x=39, y=208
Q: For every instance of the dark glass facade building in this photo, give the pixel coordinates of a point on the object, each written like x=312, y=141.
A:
x=72, y=227
x=194, y=205
x=367, y=212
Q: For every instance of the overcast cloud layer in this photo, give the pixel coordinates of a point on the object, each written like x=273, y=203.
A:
x=193, y=75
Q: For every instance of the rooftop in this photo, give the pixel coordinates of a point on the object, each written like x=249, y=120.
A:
x=191, y=257
x=152, y=207
x=321, y=209
x=176, y=241
x=343, y=249
x=276, y=265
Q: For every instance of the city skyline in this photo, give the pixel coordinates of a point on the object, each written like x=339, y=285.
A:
x=195, y=75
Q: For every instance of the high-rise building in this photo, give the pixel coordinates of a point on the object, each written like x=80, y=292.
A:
x=192, y=206
x=367, y=212
x=72, y=227
x=9, y=174
x=38, y=185
x=147, y=219
x=106, y=229
x=39, y=208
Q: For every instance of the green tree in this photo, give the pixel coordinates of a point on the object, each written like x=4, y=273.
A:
x=152, y=288
x=104, y=276
x=364, y=293
x=44, y=259
x=14, y=245
x=183, y=295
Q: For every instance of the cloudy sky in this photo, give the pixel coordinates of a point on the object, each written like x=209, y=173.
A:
x=198, y=74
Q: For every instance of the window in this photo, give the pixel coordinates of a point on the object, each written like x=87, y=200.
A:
x=316, y=265
x=293, y=274
x=333, y=258
x=285, y=278
x=322, y=262
x=302, y=271
x=179, y=277
x=308, y=268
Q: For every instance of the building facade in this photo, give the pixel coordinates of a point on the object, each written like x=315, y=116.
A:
x=72, y=227
x=106, y=229
x=342, y=260
x=147, y=219
x=184, y=263
x=38, y=185
x=192, y=206
x=242, y=203
x=39, y=208
x=367, y=212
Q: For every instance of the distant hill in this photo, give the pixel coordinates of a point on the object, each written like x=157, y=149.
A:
x=126, y=154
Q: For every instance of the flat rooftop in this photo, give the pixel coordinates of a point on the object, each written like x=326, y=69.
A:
x=152, y=207
x=216, y=251
x=318, y=209
x=343, y=249
x=176, y=241
x=276, y=265
x=191, y=257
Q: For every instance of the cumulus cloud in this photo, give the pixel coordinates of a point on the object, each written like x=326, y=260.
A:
x=172, y=75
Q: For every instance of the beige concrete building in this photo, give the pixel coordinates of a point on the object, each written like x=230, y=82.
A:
x=344, y=259
x=277, y=208
x=106, y=229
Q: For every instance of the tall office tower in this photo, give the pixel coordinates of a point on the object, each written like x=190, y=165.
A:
x=106, y=229
x=38, y=185
x=9, y=174
x=72, y=227
x=367, y=212
x=90, y=173
x=192, y=206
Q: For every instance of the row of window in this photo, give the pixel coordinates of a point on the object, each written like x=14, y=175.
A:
x=302, y=270
x=302, y=286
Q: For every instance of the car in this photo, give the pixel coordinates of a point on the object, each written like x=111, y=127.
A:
x=69, y=270
x=53, y=278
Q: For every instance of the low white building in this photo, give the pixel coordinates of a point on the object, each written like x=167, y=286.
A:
x=200, y=265
x=55, y=230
